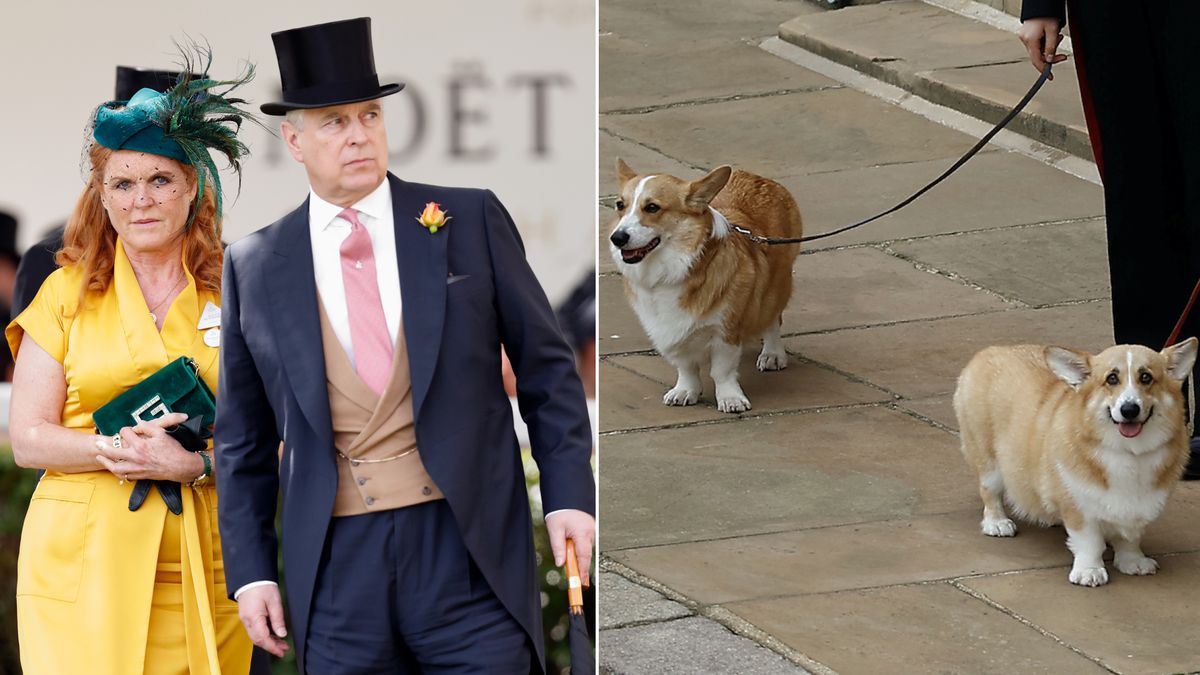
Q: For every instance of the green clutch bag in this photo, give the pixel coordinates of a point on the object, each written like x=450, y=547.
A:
x=176, y=387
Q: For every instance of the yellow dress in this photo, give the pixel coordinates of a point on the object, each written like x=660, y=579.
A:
x=101, y=589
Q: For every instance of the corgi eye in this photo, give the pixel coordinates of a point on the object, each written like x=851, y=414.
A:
x=620, y=205
x=651, y=208
x=1113, y=379
x=1145, y=378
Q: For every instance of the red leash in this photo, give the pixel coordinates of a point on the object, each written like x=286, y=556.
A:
x=1183, y=317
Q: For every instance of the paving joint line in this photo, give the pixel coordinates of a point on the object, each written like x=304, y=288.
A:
x=952, y=276
x=923, y=418
x=901, y=162
x=790, y=530
x=727, y=619
x=1027, y=622
x=651, y=148
x=642, y=110
x=738, y=417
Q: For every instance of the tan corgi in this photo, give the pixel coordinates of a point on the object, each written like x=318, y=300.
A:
x=701, y=290
x=1094, y=442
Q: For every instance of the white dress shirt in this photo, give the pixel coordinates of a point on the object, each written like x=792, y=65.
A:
x=328, y=230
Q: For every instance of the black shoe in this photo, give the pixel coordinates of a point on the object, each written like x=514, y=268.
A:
x=1192, y=471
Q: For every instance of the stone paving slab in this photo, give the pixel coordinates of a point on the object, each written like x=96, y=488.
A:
x=847, y=557
x=924, y=358
x=861, y=555
x=995, y=189
x=633, y=397
x=775, y=474
x=674, y=23
x=624, y=602
x=865, y=286
x=950, y=60
x=906, y=36
x=1043, y=265
x=687, y=646
x=636, y=74
x=1134, y=625
x=932, y=628
x=603, y=217
x=1054, y=117
x=620, y=330
x=792, y=134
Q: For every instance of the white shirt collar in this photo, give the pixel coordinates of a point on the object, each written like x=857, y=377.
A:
x=321, y=214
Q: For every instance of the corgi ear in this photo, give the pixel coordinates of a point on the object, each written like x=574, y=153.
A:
x=1180, y=358
x=624, y=173
x=1069, y=365
x=702, y=190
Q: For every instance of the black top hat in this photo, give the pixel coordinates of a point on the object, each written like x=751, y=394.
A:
x=326, y=64
x=130, y=80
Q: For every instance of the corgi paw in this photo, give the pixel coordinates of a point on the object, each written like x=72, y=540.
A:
x=681, y=396
x=733, y=404
x=1135, y=564
x=772, y=361
x=1001, y=527
x=1089, y=576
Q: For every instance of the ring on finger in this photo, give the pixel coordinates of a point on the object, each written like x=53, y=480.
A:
x=116, y=441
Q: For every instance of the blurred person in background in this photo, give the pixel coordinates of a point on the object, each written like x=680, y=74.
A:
x=10, y=259
x=364, y=330
x=105, y=585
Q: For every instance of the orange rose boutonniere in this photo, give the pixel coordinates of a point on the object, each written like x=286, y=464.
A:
x=433, y=217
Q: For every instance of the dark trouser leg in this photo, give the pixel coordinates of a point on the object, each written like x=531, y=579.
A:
x=351, y=628
x=447, y=614
x=1138, y=55
x=1152, y=239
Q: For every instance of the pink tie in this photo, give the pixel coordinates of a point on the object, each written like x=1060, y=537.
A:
x=368, y=327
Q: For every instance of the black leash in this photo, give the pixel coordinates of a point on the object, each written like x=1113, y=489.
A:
x=962, y=160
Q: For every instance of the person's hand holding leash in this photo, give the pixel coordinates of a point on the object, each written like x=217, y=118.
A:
x=1041, y=37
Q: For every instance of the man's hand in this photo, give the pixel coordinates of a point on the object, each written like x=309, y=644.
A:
x=1041, y=37
x=261, y=611
x=578, y=526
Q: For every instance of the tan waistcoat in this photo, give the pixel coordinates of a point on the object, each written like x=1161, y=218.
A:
x=379, y=467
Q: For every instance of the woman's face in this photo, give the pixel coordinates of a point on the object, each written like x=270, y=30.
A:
x=147, y=198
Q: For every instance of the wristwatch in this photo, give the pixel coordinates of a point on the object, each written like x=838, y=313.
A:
x=200, y=480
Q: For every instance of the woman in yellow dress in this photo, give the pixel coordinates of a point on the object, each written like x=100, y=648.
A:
x=101, y=588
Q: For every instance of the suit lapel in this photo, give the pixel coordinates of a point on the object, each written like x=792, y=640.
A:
x=423, y=267
x=297, y=327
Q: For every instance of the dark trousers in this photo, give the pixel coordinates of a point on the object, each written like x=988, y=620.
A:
x=1137, y=59
x=397, y=592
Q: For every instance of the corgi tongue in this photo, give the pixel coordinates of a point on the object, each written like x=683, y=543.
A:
x=1130, y=429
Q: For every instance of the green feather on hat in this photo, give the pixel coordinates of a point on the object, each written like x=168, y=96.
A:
x=183, y=123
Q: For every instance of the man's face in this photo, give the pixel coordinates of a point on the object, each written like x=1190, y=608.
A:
x=343, y=149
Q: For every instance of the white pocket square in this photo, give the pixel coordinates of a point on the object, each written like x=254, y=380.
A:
x=455, y=278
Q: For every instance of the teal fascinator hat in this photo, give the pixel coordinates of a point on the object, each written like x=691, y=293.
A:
x=185, y=122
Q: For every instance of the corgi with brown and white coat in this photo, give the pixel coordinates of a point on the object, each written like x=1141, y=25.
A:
x=700, y=290
x=1094, y=442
